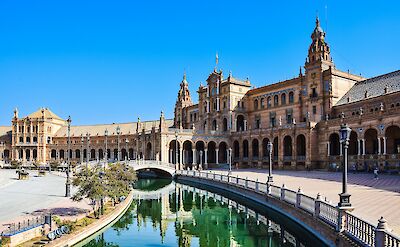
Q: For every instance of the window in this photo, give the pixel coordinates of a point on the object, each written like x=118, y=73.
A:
x=283, y=99
x=276, y=100
x=224, y=104
x=262, y=103
x=314, y=109
x=289, y=116
x=269, y=102
x=291, y=98
x=314, y=92
x=257, y=123
x=34, y=139
x=256, y=104
x=272, y=119
x=28, y=139
x=21, y=139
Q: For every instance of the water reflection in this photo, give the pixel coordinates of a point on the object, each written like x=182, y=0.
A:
x=165, y=213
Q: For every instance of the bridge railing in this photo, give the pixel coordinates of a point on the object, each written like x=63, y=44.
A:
x=361, y=231
x=151, y=162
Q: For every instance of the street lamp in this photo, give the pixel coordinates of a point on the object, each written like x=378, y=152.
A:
x=126, y=149
x=82, y=140
x=118, y=133
x=344, y=139
x=270, y=146
x=87, y=149
x=106, y=135
x=176, y=149
x=230, y=160
x=68, y=182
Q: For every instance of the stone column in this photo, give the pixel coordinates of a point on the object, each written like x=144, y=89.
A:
x=359, y=146
x=384, y=144
x=170, y=156
x=205, y=156
x=329, y=148
x=363, y=146
x=194, y=157
x=216, y=156
x=379, y=145
x=180, y=157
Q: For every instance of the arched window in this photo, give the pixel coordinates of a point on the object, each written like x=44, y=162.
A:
x=262, y=103
x=269, y=102
x=214, y=124
x=276, y=100
x=225, y=124
x=283, y=99
x=291, y=98
x=255, y=104
x=245, y=149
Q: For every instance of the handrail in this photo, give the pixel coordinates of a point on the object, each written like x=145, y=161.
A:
x=361, y=231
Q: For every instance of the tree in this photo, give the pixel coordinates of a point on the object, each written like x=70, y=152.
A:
x=90, y=185
x=96, y=183
x=120, y=179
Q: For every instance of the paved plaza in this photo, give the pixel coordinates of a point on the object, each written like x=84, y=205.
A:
x=371, y=198
x=20, y=199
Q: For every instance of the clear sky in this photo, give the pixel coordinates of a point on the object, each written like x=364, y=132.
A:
x=112, y=61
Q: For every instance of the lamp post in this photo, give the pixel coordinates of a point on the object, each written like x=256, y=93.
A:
x=230, y=160
x=118, y=133
x=81, y=154
x=126, y=149
x=106, y=135
x=344, y=139
x=68, y=182
x=176, y=149
x=87, y=149
x=270, y=146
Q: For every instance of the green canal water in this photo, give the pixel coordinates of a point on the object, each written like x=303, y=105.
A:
x=173, y=214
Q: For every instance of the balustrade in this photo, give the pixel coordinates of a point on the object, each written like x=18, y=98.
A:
x=356, y=228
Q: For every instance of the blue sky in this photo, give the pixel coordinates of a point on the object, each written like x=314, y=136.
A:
x=112, y=61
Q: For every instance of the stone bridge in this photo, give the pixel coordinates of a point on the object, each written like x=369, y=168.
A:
x=153, y=165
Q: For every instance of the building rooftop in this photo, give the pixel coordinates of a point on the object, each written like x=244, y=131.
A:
x=4, y=130
x=47, y=113
x=373, y=87
x=99, y=129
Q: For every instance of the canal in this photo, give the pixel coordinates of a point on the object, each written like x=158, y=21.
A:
x=166, y=213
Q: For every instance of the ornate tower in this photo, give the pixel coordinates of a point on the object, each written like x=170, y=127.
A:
x=183, y=100
x=319, y=53
x=317, y=83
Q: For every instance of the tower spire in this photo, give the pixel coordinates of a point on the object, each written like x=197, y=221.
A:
x=216, y=60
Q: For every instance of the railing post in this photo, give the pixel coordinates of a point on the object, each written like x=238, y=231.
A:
x=342, y=215
x=237, y=179
x=380, y=230
x=317, y=206
x=268, y=188
x=298, y=197
x=207, y=175
x=283, y=192
x=256, y=185
x=214, y=176
x=246, y=183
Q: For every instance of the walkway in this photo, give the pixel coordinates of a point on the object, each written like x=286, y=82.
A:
x=21, y=199
x=371, y=198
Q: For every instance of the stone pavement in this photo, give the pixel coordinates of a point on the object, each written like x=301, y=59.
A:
x=371, y=198
x=24, y=199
